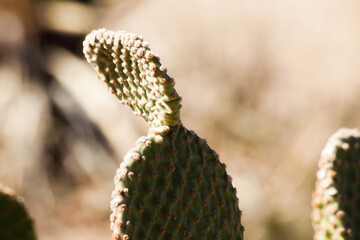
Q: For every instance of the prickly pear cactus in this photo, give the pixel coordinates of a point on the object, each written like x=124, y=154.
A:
x=15, y=223
x=171, y=185
x=336, y=200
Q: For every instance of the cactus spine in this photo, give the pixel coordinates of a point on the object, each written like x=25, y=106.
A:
x=171, y=185
x=15, y=222
x=336, y=200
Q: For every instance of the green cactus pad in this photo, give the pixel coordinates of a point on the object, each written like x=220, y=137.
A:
x=134, y=74
x=15, y=223
x=336, y=199
x=173, y=186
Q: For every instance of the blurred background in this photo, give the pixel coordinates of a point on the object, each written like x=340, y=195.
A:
x=266, y=82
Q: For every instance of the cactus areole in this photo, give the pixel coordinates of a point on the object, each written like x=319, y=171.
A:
x=171, y=185
x=336, y=199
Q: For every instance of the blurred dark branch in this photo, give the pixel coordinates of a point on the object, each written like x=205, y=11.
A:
x=64, y=124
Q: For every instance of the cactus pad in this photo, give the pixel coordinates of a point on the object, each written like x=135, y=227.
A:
x=336, y=200
x=134, y=74
x=171, y=185
x=15, y=223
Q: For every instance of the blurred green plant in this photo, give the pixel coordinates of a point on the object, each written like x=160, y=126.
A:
x=15, y=223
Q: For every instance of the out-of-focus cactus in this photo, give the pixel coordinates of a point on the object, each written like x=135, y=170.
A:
x=336, y=200
x=15, y=222
x=171, y=185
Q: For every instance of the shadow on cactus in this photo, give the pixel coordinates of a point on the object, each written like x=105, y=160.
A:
x=171, y=185
x=336, y=200
x=15, y=222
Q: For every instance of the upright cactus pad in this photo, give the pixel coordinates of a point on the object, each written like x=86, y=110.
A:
x=336, y=200
x=134, y=74
x=15, y=223
x=171, y=185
